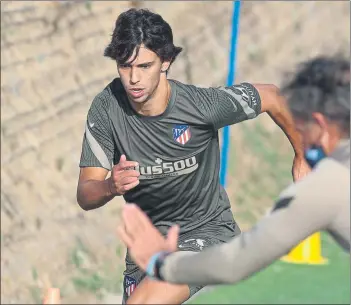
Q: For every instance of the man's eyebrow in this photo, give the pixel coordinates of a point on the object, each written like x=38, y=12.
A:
x=128, y=64
x=146, y=63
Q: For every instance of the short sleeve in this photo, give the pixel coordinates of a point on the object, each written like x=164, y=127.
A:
x=98, y=145
x=224, y=106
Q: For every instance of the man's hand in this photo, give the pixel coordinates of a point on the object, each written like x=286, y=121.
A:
x=300, y=168
x=123, y=178
x=141, y=237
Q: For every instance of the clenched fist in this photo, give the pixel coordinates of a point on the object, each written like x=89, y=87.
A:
x=123, y=176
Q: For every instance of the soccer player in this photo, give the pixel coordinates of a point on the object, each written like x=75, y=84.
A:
x=159, y=139
x=319, y=96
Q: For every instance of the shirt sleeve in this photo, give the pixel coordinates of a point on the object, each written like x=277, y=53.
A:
x=295, y=217
x=224, y=106
x=98, y=145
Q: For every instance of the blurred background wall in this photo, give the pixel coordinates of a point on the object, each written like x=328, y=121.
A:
x=52, y=66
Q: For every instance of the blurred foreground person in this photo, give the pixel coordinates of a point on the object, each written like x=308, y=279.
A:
x=319, y=97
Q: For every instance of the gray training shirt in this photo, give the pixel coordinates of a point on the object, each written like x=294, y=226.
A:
x=177, y=152
x=321, y=201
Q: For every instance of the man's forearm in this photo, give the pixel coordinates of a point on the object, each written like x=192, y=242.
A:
x=277, y=108
x=92, y=194
x=222, y=264
x=284, y=120
x=249, y=252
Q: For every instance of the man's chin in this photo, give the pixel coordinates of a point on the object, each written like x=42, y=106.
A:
x=138, y=100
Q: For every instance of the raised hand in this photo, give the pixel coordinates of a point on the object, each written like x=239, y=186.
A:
x=142, y=238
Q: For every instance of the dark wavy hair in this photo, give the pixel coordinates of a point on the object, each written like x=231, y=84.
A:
x=140, y=26
x=321, y=84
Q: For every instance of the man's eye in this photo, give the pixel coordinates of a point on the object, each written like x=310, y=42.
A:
x=145, y=66
x=123, y=66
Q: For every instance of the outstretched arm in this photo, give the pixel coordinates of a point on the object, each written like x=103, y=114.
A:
x=298, y=213
x=233, y=104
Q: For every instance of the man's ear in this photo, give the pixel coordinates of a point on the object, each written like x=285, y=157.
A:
x=325, y=138
x=321, y=120
x=165, y=66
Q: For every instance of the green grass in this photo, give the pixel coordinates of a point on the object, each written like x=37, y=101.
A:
x=285, y=283
x=92, y=278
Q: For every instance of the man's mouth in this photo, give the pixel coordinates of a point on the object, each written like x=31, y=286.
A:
x=136, y=92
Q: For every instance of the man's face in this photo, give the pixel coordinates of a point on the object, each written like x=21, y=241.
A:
x=141, y=77
x=309, y=131
x=319, y=131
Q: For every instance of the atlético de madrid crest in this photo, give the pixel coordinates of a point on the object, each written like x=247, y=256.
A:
x=181, y=134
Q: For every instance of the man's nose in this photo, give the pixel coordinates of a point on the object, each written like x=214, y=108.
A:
x=134, y=75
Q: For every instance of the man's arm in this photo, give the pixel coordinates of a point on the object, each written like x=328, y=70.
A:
x=276, y=107
x=233, y=104
x=93, y=190
x=98, y=151
x=96, y=157
x=295, y=219
x=299, y=212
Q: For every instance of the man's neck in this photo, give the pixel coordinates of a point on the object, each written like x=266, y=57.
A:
x=157, y=103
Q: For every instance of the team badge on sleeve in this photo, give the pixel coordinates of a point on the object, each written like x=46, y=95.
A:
x=181, y=134
x=129, y=285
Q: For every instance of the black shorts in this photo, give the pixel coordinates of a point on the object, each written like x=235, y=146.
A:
x=191, y=241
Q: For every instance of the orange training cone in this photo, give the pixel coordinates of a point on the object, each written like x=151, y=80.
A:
x=307, y=252
x=52, y=296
